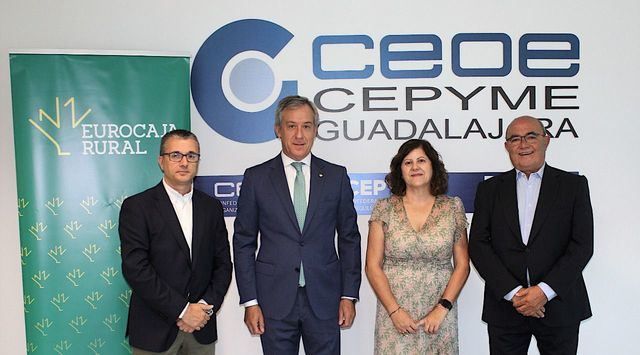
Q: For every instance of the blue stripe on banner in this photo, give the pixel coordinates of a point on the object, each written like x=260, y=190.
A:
x=225, y=188
x=367, y=189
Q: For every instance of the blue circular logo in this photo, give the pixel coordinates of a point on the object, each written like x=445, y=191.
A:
x=233, y=84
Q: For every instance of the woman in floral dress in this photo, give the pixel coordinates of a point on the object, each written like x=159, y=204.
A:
x=413, y=235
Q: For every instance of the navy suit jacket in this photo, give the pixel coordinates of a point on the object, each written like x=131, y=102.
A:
x=157, y=266
x=559, y=246
x=265, y=208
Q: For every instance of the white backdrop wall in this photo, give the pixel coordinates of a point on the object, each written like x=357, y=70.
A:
x=606, y=122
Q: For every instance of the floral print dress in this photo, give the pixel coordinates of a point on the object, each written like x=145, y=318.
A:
x=418, y=265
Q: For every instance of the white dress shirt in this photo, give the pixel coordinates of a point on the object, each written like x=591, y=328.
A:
x=528, y=191
x=183, y=206
x=290, y=172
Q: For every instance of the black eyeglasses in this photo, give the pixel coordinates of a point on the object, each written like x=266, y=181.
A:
x=177, y=156
x=530, y=138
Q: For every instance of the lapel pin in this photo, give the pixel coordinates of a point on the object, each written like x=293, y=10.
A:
x=320, y=174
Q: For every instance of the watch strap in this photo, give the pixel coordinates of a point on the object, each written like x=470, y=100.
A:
x=445, y=303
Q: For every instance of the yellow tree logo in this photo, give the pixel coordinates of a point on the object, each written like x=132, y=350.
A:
x=56, y=122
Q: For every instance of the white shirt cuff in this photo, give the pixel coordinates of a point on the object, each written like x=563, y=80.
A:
x=349, y=298
x=250, y=303
x=548, y=291
x=184, y=310
x=513, y=292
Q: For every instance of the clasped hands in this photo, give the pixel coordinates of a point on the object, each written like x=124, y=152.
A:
x=430, y=323
x=195, y=318
x=530, y=302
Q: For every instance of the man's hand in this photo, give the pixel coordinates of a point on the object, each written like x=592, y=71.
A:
x=195, y=317
x=346, y=313
x=254, y=319
x=530, y=302
x=184, y=327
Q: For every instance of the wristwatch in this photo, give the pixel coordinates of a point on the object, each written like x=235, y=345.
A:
x=445, y=303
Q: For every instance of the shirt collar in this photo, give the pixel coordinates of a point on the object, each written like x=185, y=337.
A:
x=286, y=161
x=175, y=195
x=538, y=174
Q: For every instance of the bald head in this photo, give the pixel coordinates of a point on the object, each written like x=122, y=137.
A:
x=526, y=144
x=530, y=119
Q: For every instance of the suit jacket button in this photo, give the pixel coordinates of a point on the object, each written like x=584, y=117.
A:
x=301, y=244
x=297, y=269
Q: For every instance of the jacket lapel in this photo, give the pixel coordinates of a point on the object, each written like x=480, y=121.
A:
x=546, y=198
x=281, y=188
x=197, y=229
x=169, y=216
x=316, y=189
x=509, y=202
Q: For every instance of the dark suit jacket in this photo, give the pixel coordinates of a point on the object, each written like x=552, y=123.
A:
x=162, y=275
x=265, y=208
x=559, y=247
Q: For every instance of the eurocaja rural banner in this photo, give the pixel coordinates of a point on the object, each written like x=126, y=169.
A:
x=87, y=133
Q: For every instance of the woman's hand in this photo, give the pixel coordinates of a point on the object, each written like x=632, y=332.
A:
x=431, y=322
x=403, y=322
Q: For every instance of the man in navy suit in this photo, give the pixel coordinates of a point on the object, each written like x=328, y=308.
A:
x=297, y=285
x=175, y=257
x=530, y=239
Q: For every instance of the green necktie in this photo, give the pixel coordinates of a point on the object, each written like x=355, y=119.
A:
x=300, y=205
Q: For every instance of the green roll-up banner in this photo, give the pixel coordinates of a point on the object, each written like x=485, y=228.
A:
x=87, y=131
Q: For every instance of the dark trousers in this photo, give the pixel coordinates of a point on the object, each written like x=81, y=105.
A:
x=185, y=344
x=551, y=340
x=319, y=336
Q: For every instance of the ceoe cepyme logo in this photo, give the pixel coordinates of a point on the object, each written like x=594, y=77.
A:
x=233, y=84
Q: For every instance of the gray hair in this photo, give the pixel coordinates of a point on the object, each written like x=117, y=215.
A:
x=294, y=102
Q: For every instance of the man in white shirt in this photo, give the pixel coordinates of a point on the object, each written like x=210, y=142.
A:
x=175, y=257
x=530, y=239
